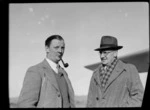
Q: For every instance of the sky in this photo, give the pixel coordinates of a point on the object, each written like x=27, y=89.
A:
x=81, y=25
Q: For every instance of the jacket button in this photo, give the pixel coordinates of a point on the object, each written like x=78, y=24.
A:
x=58, y=95
x=97, y=98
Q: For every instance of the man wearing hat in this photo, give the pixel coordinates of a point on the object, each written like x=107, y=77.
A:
x=114, y=83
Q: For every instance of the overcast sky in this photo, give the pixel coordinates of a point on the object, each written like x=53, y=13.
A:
x=81, y=25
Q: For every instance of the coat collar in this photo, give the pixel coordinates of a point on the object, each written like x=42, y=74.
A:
x=97, y=75
x=115, y=73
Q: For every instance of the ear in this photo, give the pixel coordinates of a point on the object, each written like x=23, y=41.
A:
x=46, y=49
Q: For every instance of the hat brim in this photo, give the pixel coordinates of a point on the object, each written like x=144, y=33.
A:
x=108, y=48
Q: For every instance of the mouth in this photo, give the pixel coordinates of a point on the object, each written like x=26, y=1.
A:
x=60, y=56
x=103, y=59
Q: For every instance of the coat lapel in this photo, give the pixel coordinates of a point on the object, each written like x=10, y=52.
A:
x=97, y=80
x=115, y=73
x=97, y=77
x=50, y=74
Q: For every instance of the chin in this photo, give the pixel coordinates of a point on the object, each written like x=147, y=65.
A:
x=104, y=63
x=58, y=59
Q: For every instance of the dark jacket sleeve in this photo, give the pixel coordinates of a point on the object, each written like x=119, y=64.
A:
x=135, y=88
x=31, y=88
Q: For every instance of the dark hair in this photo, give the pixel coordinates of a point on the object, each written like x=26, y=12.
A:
x=50, y=38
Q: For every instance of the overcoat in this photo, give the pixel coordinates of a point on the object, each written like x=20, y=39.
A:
x=40, y=88
x=124, y=88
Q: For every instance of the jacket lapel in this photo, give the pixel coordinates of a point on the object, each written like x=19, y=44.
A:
x=115, y=73
x=97, y=80
x=50, y=74
x=97, y=77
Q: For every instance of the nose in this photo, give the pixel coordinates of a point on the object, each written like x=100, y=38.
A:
x=102, y=55
x=60, y=50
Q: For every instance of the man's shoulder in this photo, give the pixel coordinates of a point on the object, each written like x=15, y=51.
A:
x=35, y=70
x=96, y=71
x=128, y=65
x=36, y=66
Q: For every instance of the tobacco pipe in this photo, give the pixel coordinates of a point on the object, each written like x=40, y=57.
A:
x=65, y=64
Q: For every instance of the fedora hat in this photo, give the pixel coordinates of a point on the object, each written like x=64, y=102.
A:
x=108, y=43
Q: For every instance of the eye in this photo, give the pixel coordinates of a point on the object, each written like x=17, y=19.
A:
x=63, y=48
x=105, y=52
x=57, y=47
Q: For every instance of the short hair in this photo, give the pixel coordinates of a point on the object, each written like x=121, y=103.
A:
x=50, y=38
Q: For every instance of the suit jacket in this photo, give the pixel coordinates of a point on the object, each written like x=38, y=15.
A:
x=124, y=88
x=40, y=88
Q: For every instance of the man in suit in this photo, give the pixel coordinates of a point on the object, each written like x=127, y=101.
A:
x=46, y=85
x=114, y=83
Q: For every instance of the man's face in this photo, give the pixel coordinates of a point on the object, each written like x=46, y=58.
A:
x=55, y=50
x=107, y=56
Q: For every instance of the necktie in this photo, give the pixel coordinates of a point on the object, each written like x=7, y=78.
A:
x=59, y=70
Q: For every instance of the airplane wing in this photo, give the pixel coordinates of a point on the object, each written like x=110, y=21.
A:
x=139, y=59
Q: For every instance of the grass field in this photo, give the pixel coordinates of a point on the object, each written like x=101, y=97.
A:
x=80, y=101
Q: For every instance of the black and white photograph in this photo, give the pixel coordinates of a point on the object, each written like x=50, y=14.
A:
x=78, y=55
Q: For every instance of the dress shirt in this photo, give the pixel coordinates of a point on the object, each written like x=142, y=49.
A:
x=53, y=65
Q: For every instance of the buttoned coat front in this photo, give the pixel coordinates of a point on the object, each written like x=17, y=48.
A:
x=124, y=88
x=40, y=88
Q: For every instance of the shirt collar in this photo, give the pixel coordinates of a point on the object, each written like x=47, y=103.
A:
x=52, y=64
